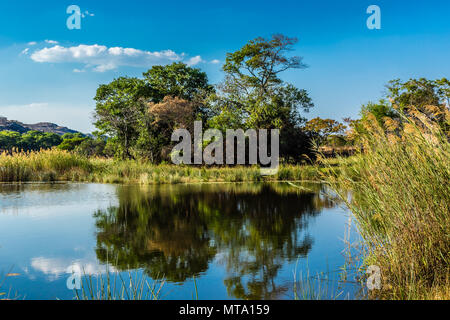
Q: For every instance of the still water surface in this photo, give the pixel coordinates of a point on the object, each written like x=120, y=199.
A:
x=239, y=241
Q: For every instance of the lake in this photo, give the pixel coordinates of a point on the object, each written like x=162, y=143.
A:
x=231, y=241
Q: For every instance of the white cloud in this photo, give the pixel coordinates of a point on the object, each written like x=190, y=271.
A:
x=32, y=43
x=51, y=41
x=194, y=61
x=25, y=51
x=102, y=58
x=54, y=268
x=215, y=61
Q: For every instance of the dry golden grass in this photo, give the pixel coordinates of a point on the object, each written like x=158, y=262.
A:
x=401, y=200
x=57, y=165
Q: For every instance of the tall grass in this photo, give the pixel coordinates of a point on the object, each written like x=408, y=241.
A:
x=46, y=165
x=57, y=165
x=113, y=286
x=400, y=196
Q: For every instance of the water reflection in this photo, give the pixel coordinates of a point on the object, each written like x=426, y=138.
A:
x=176, y=232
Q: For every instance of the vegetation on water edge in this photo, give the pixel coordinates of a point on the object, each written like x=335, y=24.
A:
x=58, y=165
x=401, y=201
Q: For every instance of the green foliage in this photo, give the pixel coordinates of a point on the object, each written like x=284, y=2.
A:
x=9, y=140
x=430, y=97
x=419, y=92
x=254, y=96
x=91, y=147
x=379, y=110
x=118, y=110
x=323, y=130
x=71, y=140
x=123, y=114
x=176, y=80
x=255, y=67
x=131, y=111
x=31, y=140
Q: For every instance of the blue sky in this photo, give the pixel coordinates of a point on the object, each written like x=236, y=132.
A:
x=55, y=80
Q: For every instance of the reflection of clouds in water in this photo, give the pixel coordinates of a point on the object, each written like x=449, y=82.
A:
x=43, y=200
x=55, y=268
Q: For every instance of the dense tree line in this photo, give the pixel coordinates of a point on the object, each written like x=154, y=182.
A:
x=36, y=140
x=31, y=140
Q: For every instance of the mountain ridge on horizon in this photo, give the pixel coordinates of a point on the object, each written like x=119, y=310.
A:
x=20, y=127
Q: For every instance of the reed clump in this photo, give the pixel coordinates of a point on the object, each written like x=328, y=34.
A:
x=400, y=196
x=44, y=165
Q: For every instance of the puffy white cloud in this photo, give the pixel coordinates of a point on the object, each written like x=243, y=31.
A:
x=55, y=268
x=194, y=61
x=215, y=61
x=32, y=43
x=51, y=41
x=101, y=58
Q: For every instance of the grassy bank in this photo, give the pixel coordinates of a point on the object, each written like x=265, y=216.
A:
x=401, y=200
x=55, y=165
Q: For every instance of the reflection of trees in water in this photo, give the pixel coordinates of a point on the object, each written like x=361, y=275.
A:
x=155, y=233
x=176, y=231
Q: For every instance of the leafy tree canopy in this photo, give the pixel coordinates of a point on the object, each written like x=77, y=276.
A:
x=176, y=80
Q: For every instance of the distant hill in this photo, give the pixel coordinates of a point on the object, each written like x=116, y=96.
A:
x=14, y=125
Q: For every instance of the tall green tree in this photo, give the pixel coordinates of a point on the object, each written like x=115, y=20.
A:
x=9, y=140
x=123, y=112
x=119, y=107
x=170, y=88
x=176, y=80
x=253, y=95
x=71, y=140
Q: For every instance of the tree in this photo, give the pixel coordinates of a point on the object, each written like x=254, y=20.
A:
x=254, y=96
x=91, y=147
x=323, y=129
x=36, y=140
x=119, y=106
x=170, y=114
x=176, y=80
x=254, y=68
x=419, y=92
x=9, y=140
x=176, y=97
x=31, y=140
x=49, y=140
x=122, y=111
x=71, y=140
